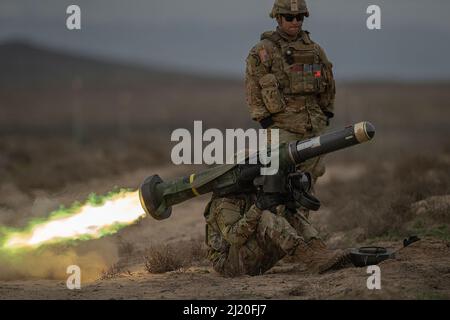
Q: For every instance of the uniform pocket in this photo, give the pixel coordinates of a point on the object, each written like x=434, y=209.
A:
x=296, y=79
x=318, y=118
x=304, y=70
x=228, y=211
x=305, y=78
x=215, y=240
x=271, y=94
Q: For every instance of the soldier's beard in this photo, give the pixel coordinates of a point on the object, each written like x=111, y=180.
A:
x=293, y=31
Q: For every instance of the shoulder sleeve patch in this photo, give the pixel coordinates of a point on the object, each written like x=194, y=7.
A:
x=263, y=55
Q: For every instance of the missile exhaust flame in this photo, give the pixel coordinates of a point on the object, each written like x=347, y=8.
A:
x=100, y=216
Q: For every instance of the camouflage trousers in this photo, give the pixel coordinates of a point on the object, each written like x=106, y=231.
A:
x=276, y=236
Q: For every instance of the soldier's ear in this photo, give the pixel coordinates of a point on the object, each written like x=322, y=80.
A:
x=278, y=18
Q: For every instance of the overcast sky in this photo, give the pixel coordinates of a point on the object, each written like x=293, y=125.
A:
x=212, y=36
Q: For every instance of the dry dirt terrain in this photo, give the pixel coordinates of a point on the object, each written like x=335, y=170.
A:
x=420, y=271
x=70, y=126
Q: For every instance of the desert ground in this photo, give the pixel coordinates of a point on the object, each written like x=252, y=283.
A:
x=420, y=271
x=71, y=126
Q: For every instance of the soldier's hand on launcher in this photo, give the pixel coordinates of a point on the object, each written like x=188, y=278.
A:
x=268, y=201
x=329, y=115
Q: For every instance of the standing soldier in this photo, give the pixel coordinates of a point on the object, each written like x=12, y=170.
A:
x=289, y=80
x=290, y=85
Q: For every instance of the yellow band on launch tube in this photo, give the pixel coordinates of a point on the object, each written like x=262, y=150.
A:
x=191, y=180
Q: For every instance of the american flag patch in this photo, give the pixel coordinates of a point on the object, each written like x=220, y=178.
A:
x=263, y=55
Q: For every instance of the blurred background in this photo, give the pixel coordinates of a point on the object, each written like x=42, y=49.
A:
x=118, y=87
x=85, y=110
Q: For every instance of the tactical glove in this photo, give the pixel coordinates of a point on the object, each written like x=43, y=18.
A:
x=266, y=122
x=329, y=115
x=265, y=201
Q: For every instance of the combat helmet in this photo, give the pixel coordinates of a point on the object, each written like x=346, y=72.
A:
x=289, y=7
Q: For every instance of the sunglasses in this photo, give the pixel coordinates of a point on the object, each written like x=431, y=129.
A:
x=291, y=17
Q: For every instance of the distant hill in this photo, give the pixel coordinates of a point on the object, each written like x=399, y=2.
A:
x=45, y=91
x=23, y=64
x=42, y=89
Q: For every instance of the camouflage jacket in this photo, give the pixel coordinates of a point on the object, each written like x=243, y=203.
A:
x=290, y=81
x=230, y=221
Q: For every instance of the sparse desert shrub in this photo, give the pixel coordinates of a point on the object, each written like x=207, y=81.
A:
x=160, y=259
x=112, y=272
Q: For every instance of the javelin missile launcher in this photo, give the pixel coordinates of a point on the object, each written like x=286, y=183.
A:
x=157, y=196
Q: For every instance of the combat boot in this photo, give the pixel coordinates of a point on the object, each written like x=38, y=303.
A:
x=319, y=259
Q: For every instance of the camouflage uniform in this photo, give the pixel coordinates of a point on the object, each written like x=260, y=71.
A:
x=242, y=239
x=290, y=87
x=290, y=84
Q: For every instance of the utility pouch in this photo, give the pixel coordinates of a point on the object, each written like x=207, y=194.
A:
x=305, y=70
x=271, y=94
